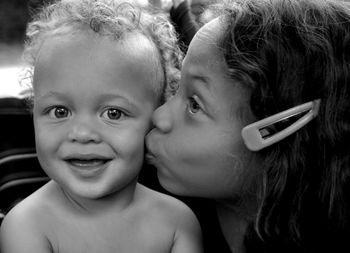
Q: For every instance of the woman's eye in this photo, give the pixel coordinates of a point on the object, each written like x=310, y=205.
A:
x=59, y=112
x=193, y=106
x=113, y=113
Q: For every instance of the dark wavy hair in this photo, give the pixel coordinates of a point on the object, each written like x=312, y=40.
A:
x=112, y=18
x=289, y=52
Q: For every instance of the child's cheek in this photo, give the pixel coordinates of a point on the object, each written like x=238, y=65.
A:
x=129, y=142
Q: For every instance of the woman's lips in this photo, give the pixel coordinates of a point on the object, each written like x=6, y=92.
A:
x=150, y=158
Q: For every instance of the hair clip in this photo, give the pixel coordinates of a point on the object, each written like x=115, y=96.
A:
x=258, y=135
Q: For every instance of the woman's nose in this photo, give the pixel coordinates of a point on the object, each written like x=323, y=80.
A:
x=83, y=132
x=162, y=118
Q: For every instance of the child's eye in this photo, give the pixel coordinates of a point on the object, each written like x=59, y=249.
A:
x=113, y=113
x=193, y=106
x=59, y=112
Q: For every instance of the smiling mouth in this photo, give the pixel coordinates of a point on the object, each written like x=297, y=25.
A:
x=88, y=168
x=86, y=163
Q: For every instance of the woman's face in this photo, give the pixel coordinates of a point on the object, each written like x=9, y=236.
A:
x=196, y=144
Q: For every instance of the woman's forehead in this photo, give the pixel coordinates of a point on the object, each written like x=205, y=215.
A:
x=204, y=48
x=212, y=30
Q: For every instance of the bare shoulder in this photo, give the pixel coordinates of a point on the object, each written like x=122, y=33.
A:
x=187, y=235
x=165, y=204
x=22, y=229
x=35, y=205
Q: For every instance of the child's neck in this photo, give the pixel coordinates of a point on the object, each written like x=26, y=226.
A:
x=119, y=200
x=233, y=222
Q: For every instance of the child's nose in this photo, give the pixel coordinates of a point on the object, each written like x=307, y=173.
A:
x=83, y=132
x=162, y=118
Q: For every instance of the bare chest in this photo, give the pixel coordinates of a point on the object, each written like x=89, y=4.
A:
x=115, y=236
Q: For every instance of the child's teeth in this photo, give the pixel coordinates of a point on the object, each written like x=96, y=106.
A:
x=93, y=162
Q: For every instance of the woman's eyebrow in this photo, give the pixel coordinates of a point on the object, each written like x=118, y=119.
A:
x=203, y=86
x=203, y=80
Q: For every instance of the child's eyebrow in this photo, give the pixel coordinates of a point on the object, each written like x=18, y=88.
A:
x=111, y=97
x=51, y=94
x=101, y=99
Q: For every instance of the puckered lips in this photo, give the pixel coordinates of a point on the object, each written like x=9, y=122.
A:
x=149, y=156
x=87, y=164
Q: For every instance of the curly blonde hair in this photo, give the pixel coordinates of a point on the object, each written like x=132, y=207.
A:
x=112, y=18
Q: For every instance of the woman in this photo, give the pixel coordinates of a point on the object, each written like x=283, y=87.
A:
x=261, y=123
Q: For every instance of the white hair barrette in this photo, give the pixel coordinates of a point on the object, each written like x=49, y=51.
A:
x=257, y=136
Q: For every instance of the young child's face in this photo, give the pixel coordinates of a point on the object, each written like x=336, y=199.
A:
x=197, y=145
x=93, y=101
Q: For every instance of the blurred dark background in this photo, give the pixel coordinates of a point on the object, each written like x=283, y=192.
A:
x=14, y=15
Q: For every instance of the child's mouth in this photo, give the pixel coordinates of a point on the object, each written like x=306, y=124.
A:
x=87, y=165
x=88, y=168
x=87, y=162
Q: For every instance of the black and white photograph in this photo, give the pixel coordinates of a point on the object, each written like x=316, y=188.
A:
x=174, y=126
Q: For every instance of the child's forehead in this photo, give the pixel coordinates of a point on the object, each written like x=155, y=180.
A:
x=133, y=53
x=134, y=44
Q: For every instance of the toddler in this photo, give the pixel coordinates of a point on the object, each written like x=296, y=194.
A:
x=99, y=70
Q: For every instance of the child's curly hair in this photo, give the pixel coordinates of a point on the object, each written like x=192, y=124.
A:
x=112, y=18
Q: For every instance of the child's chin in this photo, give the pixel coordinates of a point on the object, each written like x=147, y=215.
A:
x=89, y=193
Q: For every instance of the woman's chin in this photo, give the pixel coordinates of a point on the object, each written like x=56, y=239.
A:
x=170, y=185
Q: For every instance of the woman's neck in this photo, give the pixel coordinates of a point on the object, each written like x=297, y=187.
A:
x=233, y=222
